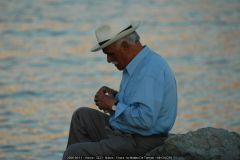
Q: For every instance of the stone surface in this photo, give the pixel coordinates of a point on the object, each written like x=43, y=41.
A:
x=202, y=144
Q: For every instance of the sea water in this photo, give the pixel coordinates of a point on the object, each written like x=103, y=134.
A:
x=47, y=70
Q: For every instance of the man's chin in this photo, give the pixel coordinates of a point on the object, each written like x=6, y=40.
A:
x=118, y=67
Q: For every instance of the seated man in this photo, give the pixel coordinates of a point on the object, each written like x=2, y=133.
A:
x=140, y=114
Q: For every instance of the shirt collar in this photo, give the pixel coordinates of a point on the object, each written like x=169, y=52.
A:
x=136, y=60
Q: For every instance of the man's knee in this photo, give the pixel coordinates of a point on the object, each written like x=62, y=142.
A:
x=81, y=112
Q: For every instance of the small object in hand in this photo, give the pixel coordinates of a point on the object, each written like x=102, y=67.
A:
x=107, y=94
x=107, y=110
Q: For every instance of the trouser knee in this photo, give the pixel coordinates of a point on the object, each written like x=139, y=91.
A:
x=81, y=112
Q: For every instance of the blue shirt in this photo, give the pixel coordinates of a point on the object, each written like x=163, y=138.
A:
x=147, y=96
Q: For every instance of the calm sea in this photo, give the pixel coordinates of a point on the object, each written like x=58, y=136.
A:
x=47, y=70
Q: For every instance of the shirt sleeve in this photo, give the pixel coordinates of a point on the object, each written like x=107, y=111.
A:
x=144, y=107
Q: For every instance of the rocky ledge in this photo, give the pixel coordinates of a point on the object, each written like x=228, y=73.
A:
x=202, y=144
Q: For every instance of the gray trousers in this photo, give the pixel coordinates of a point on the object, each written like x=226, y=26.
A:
x=91, y=135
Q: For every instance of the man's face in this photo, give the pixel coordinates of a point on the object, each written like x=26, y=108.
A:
x=115, y=54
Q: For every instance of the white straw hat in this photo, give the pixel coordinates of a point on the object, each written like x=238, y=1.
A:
x=107, y=34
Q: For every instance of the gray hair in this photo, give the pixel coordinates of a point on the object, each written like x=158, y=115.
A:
x=132, y=38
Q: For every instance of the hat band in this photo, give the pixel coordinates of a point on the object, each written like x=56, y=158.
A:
x=101, y=43
x=126, y=29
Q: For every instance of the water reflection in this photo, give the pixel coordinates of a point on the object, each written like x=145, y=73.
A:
x=46, y=70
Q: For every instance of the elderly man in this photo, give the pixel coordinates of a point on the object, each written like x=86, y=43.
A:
x=140, y=114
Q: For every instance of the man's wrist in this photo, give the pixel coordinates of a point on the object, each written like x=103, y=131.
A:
x=114, y=93
x=116, y=102
x=115, y=105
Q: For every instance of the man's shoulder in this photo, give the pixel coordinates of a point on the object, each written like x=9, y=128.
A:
x=155, y=60
x=153, y=65
x=150, y=66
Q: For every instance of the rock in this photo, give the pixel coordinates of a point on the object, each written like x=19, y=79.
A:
x=202, y=144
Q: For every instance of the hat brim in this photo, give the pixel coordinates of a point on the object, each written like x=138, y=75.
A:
x=98, y=47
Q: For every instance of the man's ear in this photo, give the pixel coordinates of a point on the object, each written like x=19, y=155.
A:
x=125, y=46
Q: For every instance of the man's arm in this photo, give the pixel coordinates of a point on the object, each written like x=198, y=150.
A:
x=143, y=107
x=148, y=105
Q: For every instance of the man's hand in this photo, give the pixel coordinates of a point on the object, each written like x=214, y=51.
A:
x=106, y=90
x=104, y=98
